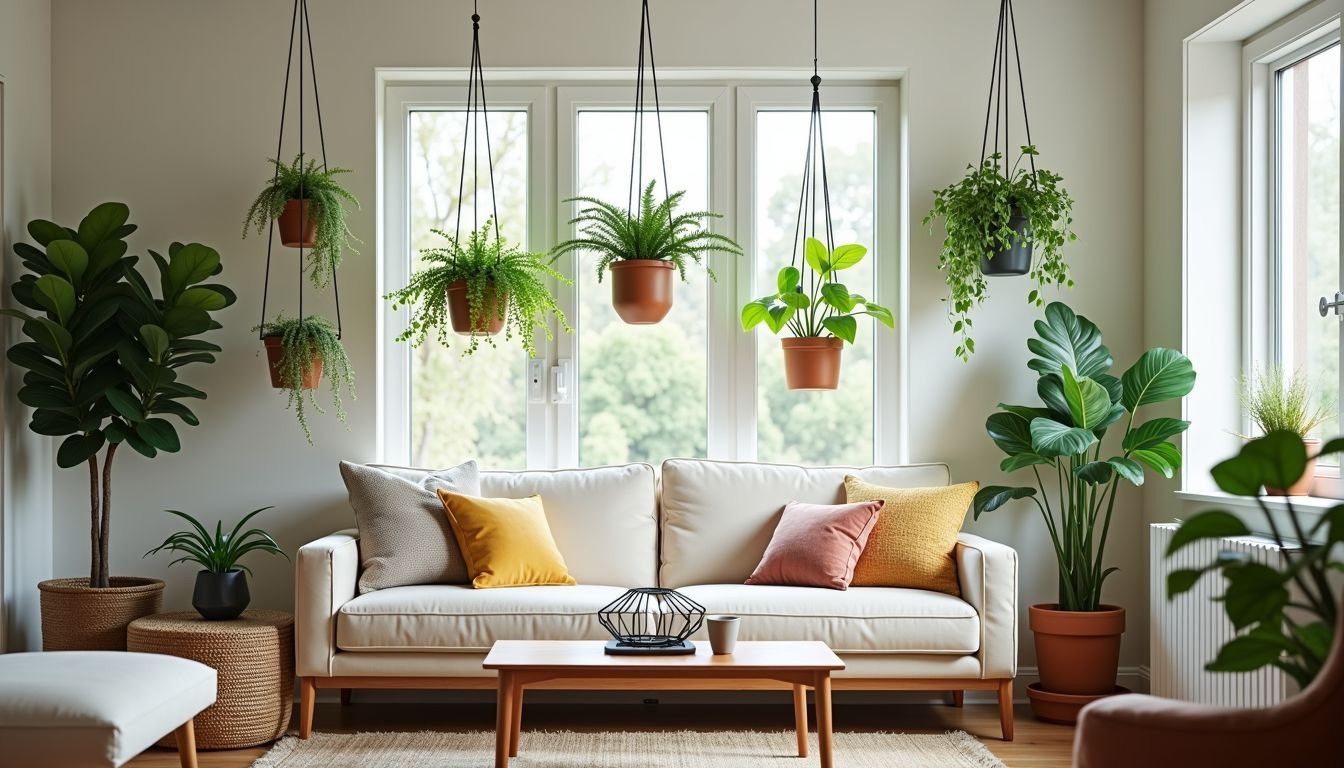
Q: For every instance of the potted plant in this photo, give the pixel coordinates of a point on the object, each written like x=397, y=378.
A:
x=1001, y=221
x=299, y=352
x=1277, y=402
x=308, y=204
x=641, y=248
x=1078, y=637
x=819, y=311
x=221, y=588
x=479, y=288
x=104, y=359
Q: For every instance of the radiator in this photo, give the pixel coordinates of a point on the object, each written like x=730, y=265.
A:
x=1187, y=632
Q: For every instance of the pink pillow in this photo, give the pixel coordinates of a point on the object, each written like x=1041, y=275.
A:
x=817, y=545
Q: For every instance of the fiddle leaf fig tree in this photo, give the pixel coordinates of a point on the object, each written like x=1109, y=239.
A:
x=103, y=353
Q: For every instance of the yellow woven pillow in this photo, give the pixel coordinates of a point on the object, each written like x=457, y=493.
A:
x=506, y=542
x=912, y=544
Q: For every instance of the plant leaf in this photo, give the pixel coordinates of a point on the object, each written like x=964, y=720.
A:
x=789, y=280
x=816, y=254
x=1151, y=433
x=1049, y=438
x=843, y=326
x=1163, y=458
x=846, y=256
x=1160, y=374
x=67, y=256
x=1068, y=339
x=991, y=497
x=1010, y=432
x=1088, y=402
x=160, y=434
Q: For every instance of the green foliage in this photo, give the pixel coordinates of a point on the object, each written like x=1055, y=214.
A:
x=306, y=341
x=976, y=212
x=482, y=262
x=656, y=233
x=1258, y=597
x=1279, y=402
x=817, y=305
x=1082, y=401
x=218, y=552
x=327, y=198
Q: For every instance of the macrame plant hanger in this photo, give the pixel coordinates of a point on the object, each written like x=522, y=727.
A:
x=477, y=113
x=301, y=31
x=637, y=140
x=999, y=97
x=815, y=159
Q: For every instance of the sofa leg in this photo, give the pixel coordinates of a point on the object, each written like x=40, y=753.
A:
x=307, y=698
x=186, y=744
x=345, y=697
x=958, y=698
x=1006, y=708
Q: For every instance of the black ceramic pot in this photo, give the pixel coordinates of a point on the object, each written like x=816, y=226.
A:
x=1016, y=260
x=220, y=596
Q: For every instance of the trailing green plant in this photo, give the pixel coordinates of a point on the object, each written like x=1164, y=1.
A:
x=103, y=355
x=1285, y=616
x=656, y=232
x=815, y=303
x=218, y=552
x=1278, y=402
x=976, y=212
x=302, y=180
x=305, y=341
x=482, y=261
x=1081, y=403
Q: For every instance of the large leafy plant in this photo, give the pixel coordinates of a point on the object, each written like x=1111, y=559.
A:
x=1286, y=616
x=302, y=180
x=654, y=232
x=304, y=343
x=1081, y=402
x=976, y=213
x=483, y=262
x=218, y=552
x=815, y=303
x=103, y=354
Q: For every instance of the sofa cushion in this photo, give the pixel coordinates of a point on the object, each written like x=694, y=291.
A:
x=443, y=617
x=912, y=544
x=718, y=516
x=506, y=542
x=817, y=545
x=858, y=620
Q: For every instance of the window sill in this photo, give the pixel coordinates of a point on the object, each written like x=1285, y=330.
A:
x=1310, y=509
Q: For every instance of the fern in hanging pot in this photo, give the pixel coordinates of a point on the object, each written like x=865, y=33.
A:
x=300, y=352
x=308, y=205
x=641, y=248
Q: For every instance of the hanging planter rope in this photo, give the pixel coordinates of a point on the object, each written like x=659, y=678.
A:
x=1014, y=260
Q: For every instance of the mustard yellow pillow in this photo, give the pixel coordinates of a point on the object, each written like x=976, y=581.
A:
x=913, y=541
x=506, y=542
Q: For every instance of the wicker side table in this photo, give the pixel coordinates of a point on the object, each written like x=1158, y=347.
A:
x=254, y=656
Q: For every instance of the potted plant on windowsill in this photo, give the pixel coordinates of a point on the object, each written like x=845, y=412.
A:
x=641, y=249
x=308, y=205
x=1078, y=637
x=1001, y=221
x=1277, y=402
x=221, y=591
x=299, y=352
x=819, y=311
x=104, y=360
x=479, y=288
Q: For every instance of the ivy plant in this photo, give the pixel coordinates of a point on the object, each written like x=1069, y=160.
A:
x=304, y=343
x=305, y=180
x=815, y=303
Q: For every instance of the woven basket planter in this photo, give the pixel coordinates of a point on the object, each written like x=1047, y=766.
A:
x=77, y=617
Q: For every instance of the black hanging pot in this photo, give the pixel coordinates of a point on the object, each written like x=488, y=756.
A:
x=1016, y=259
x=220, y=596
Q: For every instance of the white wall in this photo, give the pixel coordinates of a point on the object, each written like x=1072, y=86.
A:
x=171, y=106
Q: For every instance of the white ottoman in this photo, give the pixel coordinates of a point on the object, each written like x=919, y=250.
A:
x=97, y=708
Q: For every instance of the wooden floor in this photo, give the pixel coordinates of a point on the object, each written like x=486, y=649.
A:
x=1038, y=745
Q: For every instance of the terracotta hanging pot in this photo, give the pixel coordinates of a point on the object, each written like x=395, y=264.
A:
x=1016, y=259
x=1304, y=483
x=641, y=290
x=812, y=362
x=77, y=617
x=491, y=320
x=275, y=352
x=1078, y=653
x=298, y=227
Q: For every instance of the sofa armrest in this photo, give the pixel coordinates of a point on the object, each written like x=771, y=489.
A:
x=988, y=574
x=326, y=573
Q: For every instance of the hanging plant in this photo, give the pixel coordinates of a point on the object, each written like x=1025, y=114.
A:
x=308, y=203
x=300, y=352
x=477, y=289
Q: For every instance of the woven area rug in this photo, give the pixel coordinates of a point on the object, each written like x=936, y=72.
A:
x=626, y=749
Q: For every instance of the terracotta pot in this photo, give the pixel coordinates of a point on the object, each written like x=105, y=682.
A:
x=77, y=617
x=298, y=217
x=1078, y=652
x=641, y=290
x=1304, y=483
x=491, y=320
x=275, y=353
x=1062, y=708
x=812, y=362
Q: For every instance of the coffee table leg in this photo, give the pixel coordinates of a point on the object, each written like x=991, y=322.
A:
x=517, y=719
x=503, y=719
x=800, y=717
x=822, y=691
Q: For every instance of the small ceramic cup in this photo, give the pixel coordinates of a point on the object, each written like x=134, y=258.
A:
x=723, y=634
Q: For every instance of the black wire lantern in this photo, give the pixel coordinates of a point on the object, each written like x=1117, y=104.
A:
x=651, y=620
x=1016, y=260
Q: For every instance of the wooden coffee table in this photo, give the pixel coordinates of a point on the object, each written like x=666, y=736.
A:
x=521, y=663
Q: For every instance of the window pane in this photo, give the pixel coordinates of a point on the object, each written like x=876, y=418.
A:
x=467, y=407
x=1308, y=221
x=815, y=427
x=642, y=387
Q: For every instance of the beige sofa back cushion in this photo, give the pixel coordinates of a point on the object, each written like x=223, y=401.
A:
x=718, y=516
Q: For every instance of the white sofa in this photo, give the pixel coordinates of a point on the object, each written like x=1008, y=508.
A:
x=702, y=531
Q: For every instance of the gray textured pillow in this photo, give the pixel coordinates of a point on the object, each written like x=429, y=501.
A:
x=404, y=533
